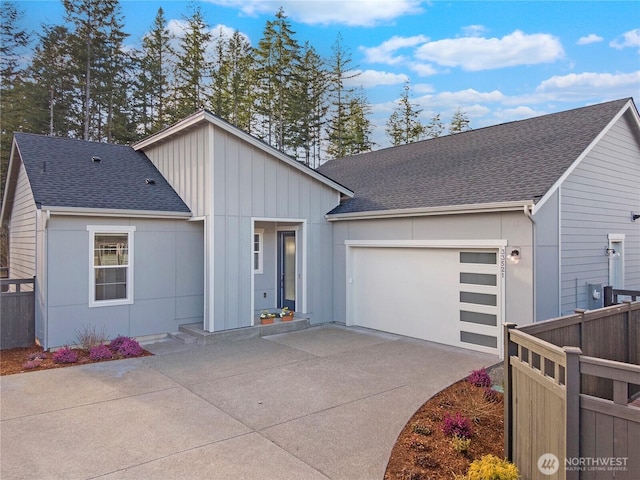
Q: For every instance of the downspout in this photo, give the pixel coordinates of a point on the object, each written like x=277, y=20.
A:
x=527, y=211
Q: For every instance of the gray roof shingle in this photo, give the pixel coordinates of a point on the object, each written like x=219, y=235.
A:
x=516, y=161
x=62, y=174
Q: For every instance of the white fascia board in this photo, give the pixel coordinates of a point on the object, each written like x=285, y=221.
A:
x=106, y=212
x=497, y=243
x=427, y=211
x=574, y=165
x=204, y=116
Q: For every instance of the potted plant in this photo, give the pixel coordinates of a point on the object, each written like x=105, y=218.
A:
x=266, y=318
x=286, y=315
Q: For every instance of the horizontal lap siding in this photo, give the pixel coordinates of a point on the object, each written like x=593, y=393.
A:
x=597, y=199
x=22, y=227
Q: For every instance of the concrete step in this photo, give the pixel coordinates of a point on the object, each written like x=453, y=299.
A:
x=184, y=337
x=196, y=331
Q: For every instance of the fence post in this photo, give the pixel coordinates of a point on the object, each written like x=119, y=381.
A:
x=608, y=296
x=572, y=407
x=581, y=312
x=510, y=349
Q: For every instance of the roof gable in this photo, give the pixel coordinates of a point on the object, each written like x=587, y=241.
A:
x=76, y=174
x=512, y=162
x=204, y=116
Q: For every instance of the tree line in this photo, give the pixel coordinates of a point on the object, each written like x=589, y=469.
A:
x=81, y=81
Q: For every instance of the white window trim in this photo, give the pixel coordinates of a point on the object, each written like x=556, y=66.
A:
x=98, y=229
x=260, y=251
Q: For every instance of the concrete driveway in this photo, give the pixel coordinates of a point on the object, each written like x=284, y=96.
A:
x=327, y=402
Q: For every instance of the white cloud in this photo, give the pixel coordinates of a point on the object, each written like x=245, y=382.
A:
x=591, y=38
x=386, y=51
x=473, y=30
x=352, y=12
x=477, y=53
x=373, y=78
x=423, y=69
x=423, y=88
x=469, y=96
x=627, y=39
x=589, y=86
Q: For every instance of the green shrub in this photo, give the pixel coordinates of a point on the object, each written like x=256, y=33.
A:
x=421, y=429
x=490, y=467
x=460, y=444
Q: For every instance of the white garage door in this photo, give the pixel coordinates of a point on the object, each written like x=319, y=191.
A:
x=445, y=295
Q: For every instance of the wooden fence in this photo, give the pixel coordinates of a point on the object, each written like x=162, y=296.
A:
x=568, y=386
x=17, y=312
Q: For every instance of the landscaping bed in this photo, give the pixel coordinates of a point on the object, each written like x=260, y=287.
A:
x=424, y=451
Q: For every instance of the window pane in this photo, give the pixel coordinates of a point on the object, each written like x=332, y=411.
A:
x=488, y=258
x=111, y=249
x=479, y=298
x=479, y=278
x=111, y=283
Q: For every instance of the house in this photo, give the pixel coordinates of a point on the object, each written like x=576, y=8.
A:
x=442, y=240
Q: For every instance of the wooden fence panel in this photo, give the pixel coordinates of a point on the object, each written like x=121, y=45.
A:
x=17, y=314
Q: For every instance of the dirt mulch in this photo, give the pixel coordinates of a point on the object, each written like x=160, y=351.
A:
x=12, y=360
x=423, y=452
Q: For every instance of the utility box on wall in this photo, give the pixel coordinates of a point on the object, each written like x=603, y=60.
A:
x=595, y=296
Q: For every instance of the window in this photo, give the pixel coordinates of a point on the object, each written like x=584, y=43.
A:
x=111, y=261
x=257, y=251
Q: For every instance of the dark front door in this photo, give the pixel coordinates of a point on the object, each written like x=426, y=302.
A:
x=287, y=270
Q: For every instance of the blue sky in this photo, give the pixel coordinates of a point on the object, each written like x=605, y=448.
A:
x=495, y=60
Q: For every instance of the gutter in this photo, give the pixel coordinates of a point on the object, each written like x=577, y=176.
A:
x=113, y=212
x=429, y=211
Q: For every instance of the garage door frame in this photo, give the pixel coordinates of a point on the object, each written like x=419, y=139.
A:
x=498, y=245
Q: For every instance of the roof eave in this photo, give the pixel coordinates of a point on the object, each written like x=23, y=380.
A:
x=204, y=116
x=430, y=211
x=115, y=212
x=8, y=190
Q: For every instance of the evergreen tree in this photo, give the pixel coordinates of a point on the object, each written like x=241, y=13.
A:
x=239, y=67
x=404, y=125
x=151, y=83
x=97, y=30
x=276, y=56
x=340, y=69
x=435, y=127
x=13, y=90
x=309, y=97
x=459, y=122
x=192, y=67
x=53, y=84
x=357, y=127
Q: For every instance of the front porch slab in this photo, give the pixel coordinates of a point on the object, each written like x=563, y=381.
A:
x=210, y=338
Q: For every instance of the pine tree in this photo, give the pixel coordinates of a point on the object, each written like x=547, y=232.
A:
x=151, y=83
x=239, y=66
x=52, y=80
x=13, y=40
x=404, y=125
x=357, y=127
x=459, y=122
x=435, y=127
x=309, y=97
x=97, y=24
x=340, y=69
x=192, y=69
x=276, y=56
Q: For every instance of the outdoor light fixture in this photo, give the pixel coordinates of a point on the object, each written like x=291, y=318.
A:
x=514, y=255
x=634, y=216
x=611, y=252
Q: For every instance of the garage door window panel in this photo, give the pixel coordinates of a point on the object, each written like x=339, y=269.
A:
x=485, y=258
x=479, y=298
x=479, y=279
x=479, y=339
x=479, y=318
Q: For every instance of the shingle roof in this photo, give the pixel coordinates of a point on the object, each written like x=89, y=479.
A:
x=511, y=162
x=62, y=174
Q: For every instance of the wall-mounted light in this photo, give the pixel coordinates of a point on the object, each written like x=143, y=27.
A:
x=514, y=255
x=634, y=216
x=611, y=252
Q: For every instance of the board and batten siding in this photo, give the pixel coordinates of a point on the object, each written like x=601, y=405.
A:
x=183, y=162
x=249, y=183
x=22, y=225
x=597, y=199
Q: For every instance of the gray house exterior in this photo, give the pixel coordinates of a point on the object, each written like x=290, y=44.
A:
x=424, y=248
x=442, y=240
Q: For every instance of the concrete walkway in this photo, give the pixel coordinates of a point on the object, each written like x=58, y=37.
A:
x=323, y=403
